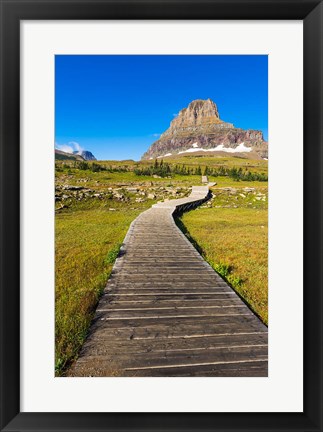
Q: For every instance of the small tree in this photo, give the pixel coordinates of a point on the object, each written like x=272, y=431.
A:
x=83, y=165
x=95, y=167
x=198, y=171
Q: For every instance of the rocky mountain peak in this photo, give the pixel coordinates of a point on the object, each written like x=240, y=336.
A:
x=200, y=115
x=198, y=127
x=86, y=155
x=198, y=112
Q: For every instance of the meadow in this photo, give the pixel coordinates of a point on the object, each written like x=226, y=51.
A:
x=87, y=243
x=94, y=209
x=232, y=236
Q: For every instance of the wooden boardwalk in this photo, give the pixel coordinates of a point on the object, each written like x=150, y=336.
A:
x=166, y=312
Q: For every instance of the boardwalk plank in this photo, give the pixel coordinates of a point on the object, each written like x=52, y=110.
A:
x=183, y=358
x=99, y=347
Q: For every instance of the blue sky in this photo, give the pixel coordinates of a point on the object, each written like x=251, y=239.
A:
x=116, y=106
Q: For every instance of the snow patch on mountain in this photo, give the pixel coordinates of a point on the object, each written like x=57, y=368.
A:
x=241, y=148
x=165, y=155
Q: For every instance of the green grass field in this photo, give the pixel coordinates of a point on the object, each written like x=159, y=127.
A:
x=87, y=243
x=234, y=240
x=231, y=232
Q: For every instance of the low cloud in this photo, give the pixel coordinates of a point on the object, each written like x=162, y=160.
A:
x=76, y=146
x=64, y=147
x=70, y=147
x=156, y=135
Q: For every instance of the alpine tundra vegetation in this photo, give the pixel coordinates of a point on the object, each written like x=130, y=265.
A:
x=97, y=201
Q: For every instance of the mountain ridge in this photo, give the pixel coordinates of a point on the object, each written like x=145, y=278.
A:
x=198, y=127
x=85, y=154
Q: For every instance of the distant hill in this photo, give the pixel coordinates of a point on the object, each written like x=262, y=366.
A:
x=76, y=155
x=198, y=129
x=86, y=155
x=60, y=155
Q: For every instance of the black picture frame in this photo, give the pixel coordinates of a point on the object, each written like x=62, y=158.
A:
x=12, y=12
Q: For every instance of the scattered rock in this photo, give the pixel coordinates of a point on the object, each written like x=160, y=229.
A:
x=132, y=189
x=249, y=189
x=72, y=188
x=61, y=207
x=118, y=196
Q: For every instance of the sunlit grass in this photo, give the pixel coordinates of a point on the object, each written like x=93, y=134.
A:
x=237, y=240
x=87, y=242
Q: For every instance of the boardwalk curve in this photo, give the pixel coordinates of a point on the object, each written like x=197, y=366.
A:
x=166, y=312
